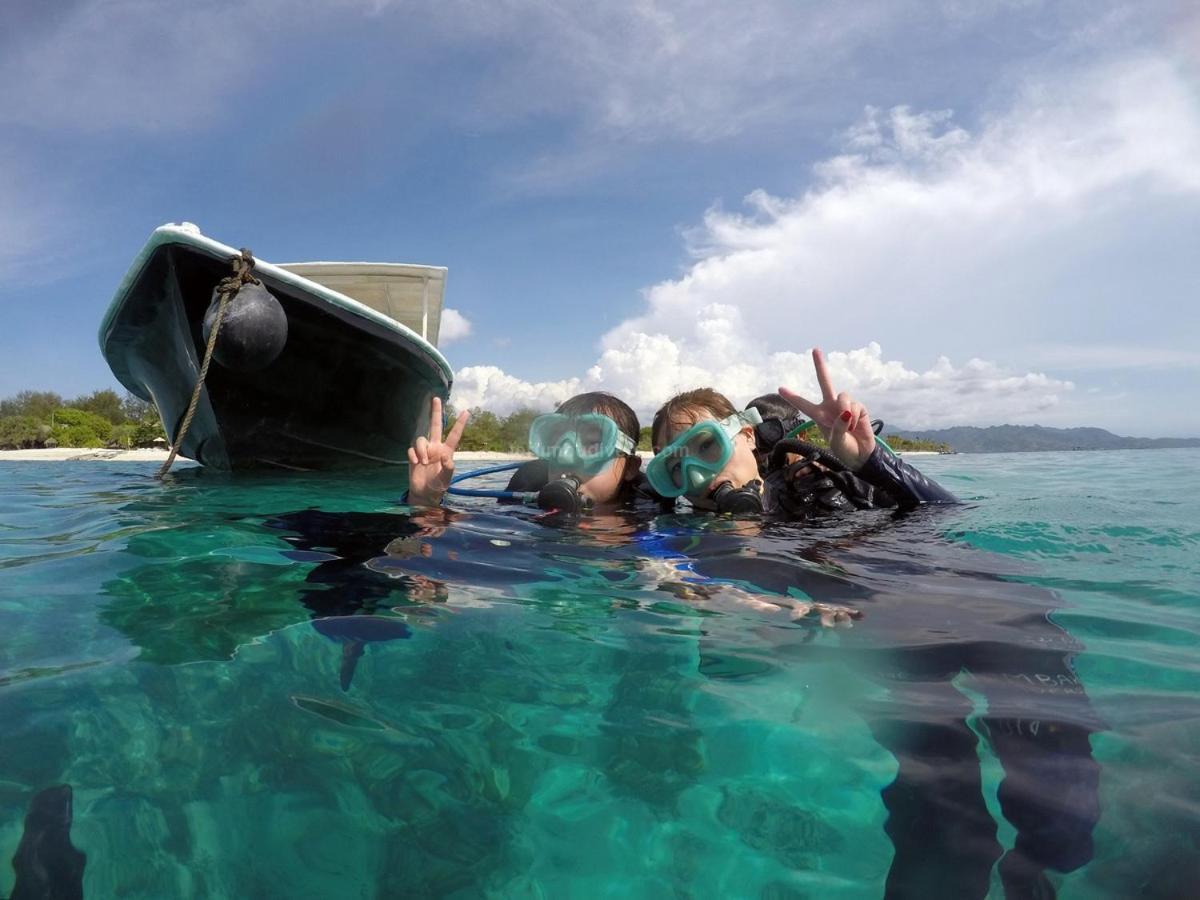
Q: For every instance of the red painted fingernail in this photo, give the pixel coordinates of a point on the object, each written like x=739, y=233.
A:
x=847, y=416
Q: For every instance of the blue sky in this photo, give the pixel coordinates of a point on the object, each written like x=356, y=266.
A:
x=983, y=211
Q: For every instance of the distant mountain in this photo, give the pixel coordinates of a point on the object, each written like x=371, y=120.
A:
x=1017, y=438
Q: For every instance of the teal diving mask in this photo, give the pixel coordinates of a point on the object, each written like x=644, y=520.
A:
x=583, y=443
x=689, y=463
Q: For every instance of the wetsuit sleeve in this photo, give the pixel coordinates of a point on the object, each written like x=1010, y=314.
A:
x=909, y=487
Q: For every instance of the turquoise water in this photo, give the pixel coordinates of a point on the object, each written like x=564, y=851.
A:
x=537, y=709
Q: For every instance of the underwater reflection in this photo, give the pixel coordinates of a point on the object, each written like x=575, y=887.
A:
x=963, y=651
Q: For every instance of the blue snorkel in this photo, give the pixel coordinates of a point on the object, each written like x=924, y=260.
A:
x=522, y=496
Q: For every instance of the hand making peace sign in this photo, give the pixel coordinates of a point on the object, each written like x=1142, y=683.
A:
x=431, y=460
x=842, y=419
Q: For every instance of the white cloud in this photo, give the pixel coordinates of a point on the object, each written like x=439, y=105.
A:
x=946, y=243
x=921, y=226
x=649, y=368
x=454, y=326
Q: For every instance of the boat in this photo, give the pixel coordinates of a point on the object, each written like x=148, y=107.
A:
x=344, y=381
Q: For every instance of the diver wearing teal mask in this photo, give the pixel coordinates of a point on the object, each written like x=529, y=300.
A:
x=577, y=449
x=586, y=457
x=688, y=465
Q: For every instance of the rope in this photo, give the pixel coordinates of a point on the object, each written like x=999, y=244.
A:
x=227, y=288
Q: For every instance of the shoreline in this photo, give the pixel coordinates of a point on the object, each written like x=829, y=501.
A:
x=151, y=454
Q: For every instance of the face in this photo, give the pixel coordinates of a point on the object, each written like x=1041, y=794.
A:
x=742, y=467
x=604, y=488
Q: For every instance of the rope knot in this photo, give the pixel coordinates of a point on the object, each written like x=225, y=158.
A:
x=243, y=273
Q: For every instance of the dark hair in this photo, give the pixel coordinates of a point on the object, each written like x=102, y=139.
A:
x=700, y=404
x=774, y=406
x=605, y=404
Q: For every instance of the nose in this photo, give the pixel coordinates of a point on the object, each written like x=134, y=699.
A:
x=565, y=454
x=697, y=480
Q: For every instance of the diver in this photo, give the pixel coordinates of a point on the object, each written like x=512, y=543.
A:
x=586, y=459
x=709, y=452
x=1038, y=720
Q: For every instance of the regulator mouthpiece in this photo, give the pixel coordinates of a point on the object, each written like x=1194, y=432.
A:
x=562, y=494
x=743, y=501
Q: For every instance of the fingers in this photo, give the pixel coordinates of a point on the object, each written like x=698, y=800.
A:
x=456, y=432
x=435, y=420
x=827, y=393
x=861, y=427
x=860, y=416
x=843, y=420
x=412, y=457
x=421, y=446
x=834, y=616
x=807, y=407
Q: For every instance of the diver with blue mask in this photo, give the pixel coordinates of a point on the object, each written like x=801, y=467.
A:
x=576, y=449
x=585, y=460
x=690, y=463
x=731, y=462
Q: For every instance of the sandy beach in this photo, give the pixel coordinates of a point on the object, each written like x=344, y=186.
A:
x=93, y=454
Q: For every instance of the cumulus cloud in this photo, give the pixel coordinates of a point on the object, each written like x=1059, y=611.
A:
x=946, y=242
x=454, y=326
x=921, y=222
x=646, y=369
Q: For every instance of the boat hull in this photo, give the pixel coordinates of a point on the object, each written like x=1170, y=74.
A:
x=350, y=388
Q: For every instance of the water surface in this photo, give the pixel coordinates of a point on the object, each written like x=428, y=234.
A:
x=290, y=687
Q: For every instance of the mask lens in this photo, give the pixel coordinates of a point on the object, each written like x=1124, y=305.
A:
x=708, y=448
x=572, y=442
x=591, y=439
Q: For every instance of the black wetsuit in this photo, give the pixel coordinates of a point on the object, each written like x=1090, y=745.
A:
x=818, y=483
x=1038, y=720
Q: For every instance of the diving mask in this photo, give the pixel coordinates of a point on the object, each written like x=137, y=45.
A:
x=689, y=463
x=583, y=443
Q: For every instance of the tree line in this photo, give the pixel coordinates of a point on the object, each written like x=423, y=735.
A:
x=32, y=419
x=103, y=418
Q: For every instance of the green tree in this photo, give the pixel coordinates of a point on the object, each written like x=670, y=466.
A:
x=514, y=431
x=146, y=432
x=482, y=432
x=80, y=428
x=38, y=404
x=645, y=442
x=19, y=433
x=106, y=404
x=122, y=435
x=899, y=443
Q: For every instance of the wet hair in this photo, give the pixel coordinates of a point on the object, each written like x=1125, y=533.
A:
x=774, y=406
x=605, y=404
x=702, y=403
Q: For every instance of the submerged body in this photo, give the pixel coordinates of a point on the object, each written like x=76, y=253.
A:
x=48, y=866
